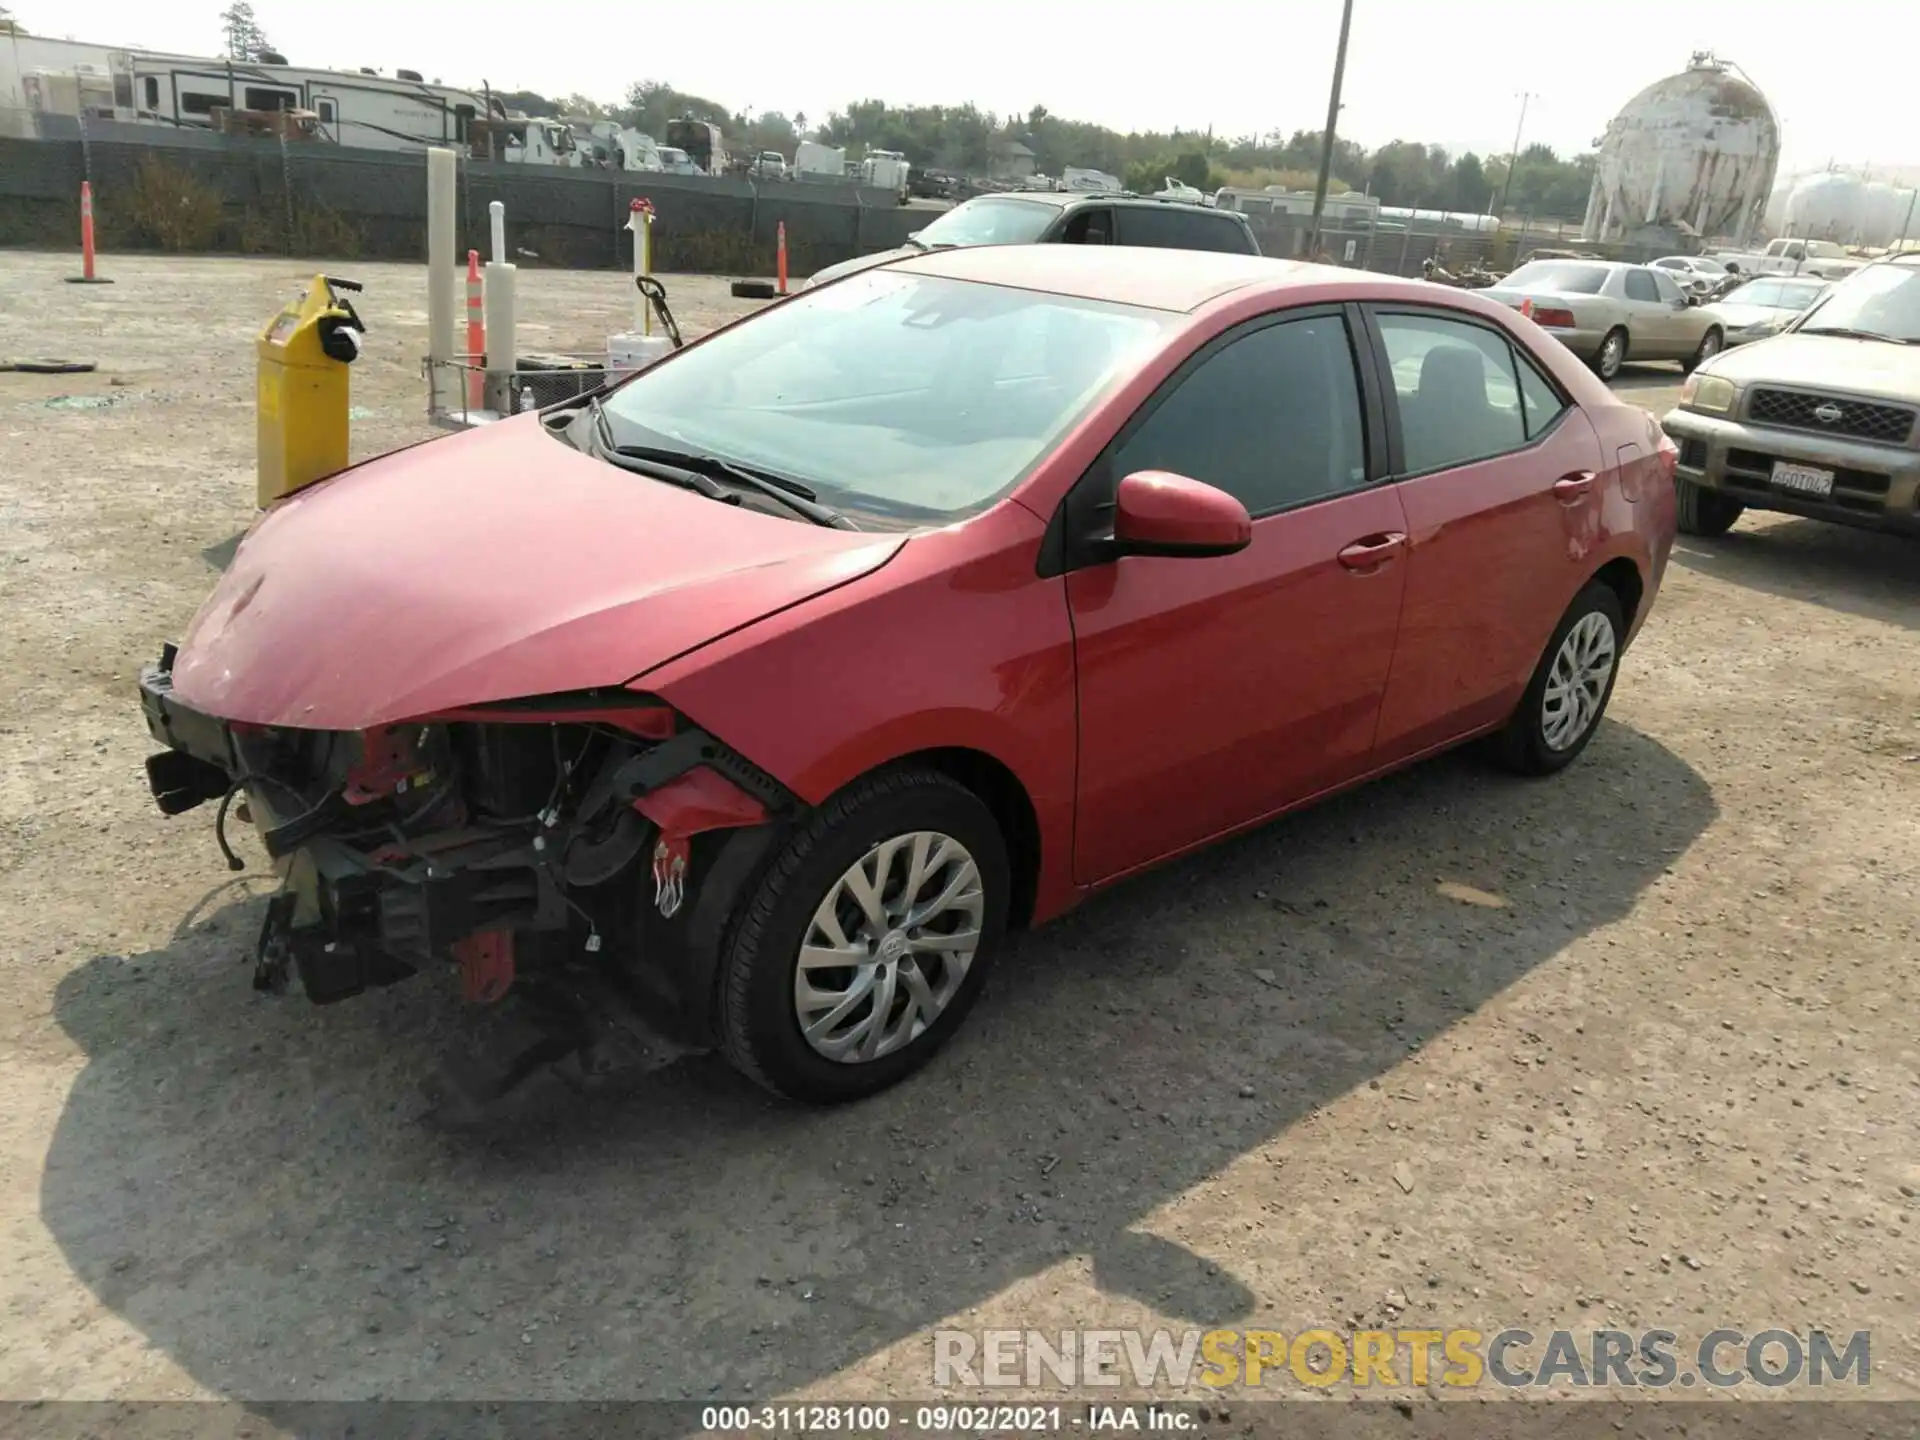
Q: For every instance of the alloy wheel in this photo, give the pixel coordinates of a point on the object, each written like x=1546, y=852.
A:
x=888, y=947
x=1577, y=684
x=1612, y=351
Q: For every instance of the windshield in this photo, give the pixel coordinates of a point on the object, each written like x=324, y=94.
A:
x=991, y=221
x=1775, y=294
x=1879, y=300
x=903, y=395
x=1569, y=278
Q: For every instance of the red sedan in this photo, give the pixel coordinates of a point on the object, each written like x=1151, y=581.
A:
x=762, y=695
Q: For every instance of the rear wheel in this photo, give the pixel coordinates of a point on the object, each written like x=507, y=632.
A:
x=1570, y=688
x=867, y=939
x=1711, y=344
x=1612, y=353
x=1701, y=511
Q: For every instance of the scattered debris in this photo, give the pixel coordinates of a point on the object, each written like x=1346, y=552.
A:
x=1403, y=1176
x=1470, y=895
x=49, y=367
x=82, y=402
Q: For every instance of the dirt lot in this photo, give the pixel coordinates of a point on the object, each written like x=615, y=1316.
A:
x=1669, y=1076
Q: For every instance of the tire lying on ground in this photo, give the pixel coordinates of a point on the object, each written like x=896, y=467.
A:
x=753, y=289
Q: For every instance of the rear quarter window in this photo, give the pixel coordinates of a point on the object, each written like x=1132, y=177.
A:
x=1171, y=229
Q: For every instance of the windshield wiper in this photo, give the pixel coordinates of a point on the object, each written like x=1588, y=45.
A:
x=642, y=464
x=1846, y=333
x=799, y=498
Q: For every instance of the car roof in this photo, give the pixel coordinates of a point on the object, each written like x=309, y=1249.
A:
x=1178, y=280
x=1063, y=198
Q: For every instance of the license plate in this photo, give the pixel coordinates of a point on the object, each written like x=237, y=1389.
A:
x=1803, y=479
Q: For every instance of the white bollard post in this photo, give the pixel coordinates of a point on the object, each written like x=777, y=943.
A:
x=502, y=352
x=497, y=214
x=444, y=387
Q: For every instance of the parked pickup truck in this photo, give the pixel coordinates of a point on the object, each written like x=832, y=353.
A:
x=1821, y=258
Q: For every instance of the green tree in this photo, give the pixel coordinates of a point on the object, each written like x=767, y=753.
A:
x=528, y=102
x=1470, y=190
x=652, y=103
x=245, y=39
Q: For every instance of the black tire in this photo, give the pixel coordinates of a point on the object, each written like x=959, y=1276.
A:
x=1701, y=511
x=754, y=290
x=1711, y=344
x=1608, y=359
x=759, y=1029
x=1522, y=746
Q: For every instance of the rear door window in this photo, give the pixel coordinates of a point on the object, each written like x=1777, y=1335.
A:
x=1170, y=228
x=1640, y=286
x=1457, y=391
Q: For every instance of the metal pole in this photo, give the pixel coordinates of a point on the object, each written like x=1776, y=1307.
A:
x=1333, y=119
x=1912, y=196
x=1513, y=161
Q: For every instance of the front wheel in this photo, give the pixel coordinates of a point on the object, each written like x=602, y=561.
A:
x=1570, y=687
x=1701, y=511
x=1612, y=353
x=1711, y=344
x=867, y=939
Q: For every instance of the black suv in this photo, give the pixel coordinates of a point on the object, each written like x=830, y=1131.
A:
x=1043, y=217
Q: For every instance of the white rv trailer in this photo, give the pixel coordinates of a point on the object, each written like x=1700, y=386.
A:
x=374, y=112
x=398, y=112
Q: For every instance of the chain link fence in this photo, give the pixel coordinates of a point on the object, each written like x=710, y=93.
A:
x=190, y=191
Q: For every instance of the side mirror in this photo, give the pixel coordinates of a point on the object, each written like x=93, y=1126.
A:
x=1159, y=513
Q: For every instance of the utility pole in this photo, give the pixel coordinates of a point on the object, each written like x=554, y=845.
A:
x=1333, y=119
x=1513, y=161
x=1912, y=196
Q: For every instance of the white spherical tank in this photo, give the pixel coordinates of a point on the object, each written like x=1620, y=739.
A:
x=1828, y=206
x=1691, y=155
x=1884, y=212
x=1774, y=217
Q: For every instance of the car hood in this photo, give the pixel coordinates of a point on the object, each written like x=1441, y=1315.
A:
x=491, y=565
x=1827, y=363
x=862, y=262
x=1739, y=317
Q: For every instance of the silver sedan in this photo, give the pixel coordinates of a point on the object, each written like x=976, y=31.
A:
x=1608, y=313
x=1764, y=305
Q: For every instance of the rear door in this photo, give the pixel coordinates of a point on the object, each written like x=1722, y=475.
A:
x=1499, y=476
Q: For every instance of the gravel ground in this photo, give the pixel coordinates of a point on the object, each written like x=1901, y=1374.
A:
x=1632, y=1046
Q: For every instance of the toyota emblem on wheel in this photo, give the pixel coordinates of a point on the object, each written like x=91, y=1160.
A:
x=1829, y=413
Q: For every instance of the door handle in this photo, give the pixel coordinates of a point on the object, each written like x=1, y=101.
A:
x=1569, y=488
x=1373, y=551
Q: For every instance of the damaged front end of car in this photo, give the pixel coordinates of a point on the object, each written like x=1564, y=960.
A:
x=582, y=851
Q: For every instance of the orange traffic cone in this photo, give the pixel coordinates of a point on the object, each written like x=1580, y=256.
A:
x=476, y=332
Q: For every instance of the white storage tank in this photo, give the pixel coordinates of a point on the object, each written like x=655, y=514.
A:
x=1828, y=206
x=1884, y=207
x=1691, y=155
x=1774, y=217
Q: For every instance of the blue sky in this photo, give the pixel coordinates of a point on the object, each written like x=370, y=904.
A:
x=1445, y=70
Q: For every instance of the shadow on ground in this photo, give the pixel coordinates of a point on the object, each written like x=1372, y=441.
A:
x=249, y=1182
x=1857, y=572
x=1646, y=375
